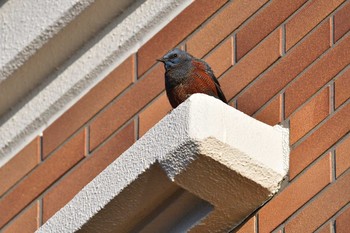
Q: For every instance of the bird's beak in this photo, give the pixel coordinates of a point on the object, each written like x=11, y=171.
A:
x=161, y=60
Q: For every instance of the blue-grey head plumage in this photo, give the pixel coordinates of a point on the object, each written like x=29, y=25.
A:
x=174, y=58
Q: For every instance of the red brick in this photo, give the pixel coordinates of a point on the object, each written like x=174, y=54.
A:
x=342, y=157
x=221, y=58
x=248, y=68
x=41, y=178
x=342, y=22
x=153, y=114
x=320, y=140
x=225, y=22
x=342, y=223
x=89, y=105
x=26, y=222
x=248, y=227
x=271, y=114
x=309, y=115
x=342, y=88
x=285, y=70
x=306, y=19
x=295, y=195
x=323, y=207
x=86, y=171
x=263, y=23
x=177, y=30
x=19, y=165
x=127, y=106
x=318, y=75
x=326, y=228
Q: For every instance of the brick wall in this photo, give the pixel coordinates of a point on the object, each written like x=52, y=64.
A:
x=279, y=61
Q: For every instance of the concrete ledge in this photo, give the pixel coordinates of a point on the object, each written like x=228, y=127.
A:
x=213, y=161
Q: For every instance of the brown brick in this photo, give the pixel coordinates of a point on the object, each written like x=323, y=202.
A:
x=26, y=222
x=177, y=30
x=127, y=106
x=82, y=174
x=248, y=68
x=295, y=195
x=221, y=58
x=342, y=157
x=248, y=227
x=41, y=178
x=89, y=105
x=342, y=223
x=323, y=207
x=342, y=88
x=309, y=115
x=225, y=22
x=326, y=228
x=285, y=70
x=19, y=165
x=271, y=114
x=320, y=141
x=153, y=114
x=263, y=23
x=342, y=22
x=318, y=75
x=306, y=19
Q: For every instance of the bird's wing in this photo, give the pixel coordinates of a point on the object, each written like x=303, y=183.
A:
x=220, y=93
x=204, y=70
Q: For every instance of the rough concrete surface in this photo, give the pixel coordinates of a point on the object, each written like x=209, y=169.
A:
x=208, y=148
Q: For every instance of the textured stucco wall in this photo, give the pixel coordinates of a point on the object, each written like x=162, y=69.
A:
x=85, y=70
x=27, y=25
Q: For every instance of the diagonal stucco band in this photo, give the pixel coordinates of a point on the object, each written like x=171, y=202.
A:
x=205, y=153
x=85, y=68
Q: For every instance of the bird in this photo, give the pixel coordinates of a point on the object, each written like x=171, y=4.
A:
x=186, y=75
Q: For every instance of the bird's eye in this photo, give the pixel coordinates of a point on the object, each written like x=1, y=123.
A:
x=175, y=55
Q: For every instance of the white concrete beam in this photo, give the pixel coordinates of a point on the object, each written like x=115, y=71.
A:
x=222, y=156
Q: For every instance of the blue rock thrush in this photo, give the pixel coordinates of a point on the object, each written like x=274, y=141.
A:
x=186, y=75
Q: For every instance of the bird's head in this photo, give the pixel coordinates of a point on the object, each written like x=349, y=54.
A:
x=174, y=58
